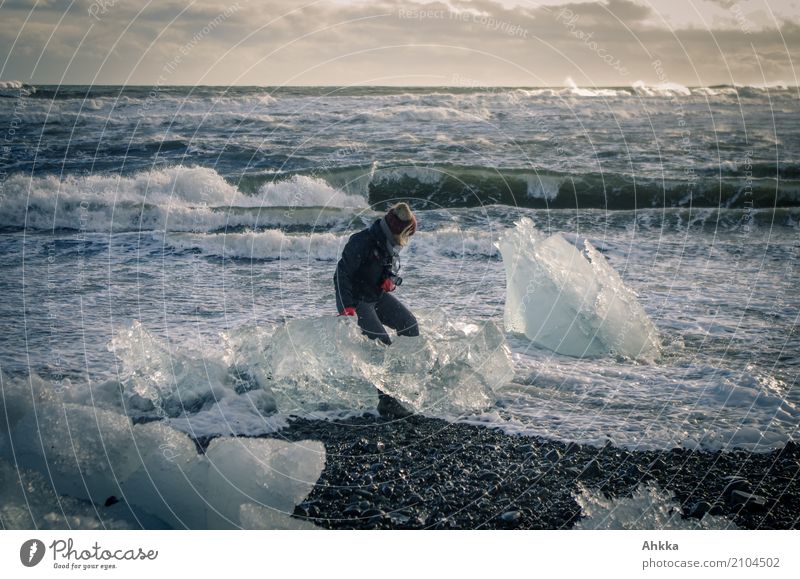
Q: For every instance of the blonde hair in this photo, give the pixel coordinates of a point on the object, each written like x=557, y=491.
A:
x=404, y=213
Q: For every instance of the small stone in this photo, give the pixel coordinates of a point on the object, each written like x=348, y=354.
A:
x=374, y=516
x=716, y=510
x=415, y=498
x=511, y=517
x=351, y=510
x=699, y=509
x=635, y=472
x=749, y=501
x=488, y=475
x=736, y=484
x=591, y=470
x=522, y=481
x=572, y=448
x=553, y=455
x=380, y=446
x=399, y=517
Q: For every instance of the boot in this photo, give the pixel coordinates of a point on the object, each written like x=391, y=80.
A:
x=389, y=407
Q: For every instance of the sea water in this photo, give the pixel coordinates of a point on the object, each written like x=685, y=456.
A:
x=170, y=259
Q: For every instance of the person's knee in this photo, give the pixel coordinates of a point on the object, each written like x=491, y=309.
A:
x=373, y=329
x=409, y=326
x=383, y=337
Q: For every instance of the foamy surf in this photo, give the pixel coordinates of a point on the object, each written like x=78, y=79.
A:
x=275, y=244
x=174, y=199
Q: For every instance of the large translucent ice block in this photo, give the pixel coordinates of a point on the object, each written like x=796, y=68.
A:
x=571, y=300
x=93, y=454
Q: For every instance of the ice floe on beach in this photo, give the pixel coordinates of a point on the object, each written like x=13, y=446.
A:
x=648, y=508
x=571, y=300
x=99, y=457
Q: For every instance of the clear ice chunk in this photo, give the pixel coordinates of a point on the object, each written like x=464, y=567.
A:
x=92, y=454
x=321, y=364
x=172, y=382
x=326, y=364
x=29, y=502
x=649, y=507
x=571, y=300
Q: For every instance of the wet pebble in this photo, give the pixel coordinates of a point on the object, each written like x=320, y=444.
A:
x=553, y=455
x=443, y=475
x=510, y=518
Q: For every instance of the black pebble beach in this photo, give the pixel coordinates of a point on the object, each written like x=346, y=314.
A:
x=425, y=473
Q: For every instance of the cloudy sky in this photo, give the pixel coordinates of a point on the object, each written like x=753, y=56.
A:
x=400, y=42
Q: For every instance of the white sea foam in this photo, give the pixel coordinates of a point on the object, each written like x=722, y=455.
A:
x=644, y=407
x=428, y=176
x=271, y=244
x=408, y=113
x=544, y=186
x=448, y=241
x=454, y=242
x=304, y=191
x=715, y=92
x=13, y=88
x=660, y=90
x=175, y=198
x=573, y=89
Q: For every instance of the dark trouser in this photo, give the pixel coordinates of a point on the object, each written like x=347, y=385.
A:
x=387, y=310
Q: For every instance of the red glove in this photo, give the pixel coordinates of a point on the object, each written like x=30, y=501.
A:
x=388, y=285
x=348, y=312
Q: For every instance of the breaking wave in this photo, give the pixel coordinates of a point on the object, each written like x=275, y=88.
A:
x=176, y=199
x=199, y=199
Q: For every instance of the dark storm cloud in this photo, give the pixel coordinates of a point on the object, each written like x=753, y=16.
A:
x=393, y=42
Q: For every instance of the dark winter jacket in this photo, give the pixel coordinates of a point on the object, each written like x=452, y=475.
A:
x=366, y=261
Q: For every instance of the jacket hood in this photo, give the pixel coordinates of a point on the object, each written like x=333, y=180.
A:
x=377, y=231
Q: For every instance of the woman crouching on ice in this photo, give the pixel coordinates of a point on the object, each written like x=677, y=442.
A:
x=367, y=274
x=364, y=279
